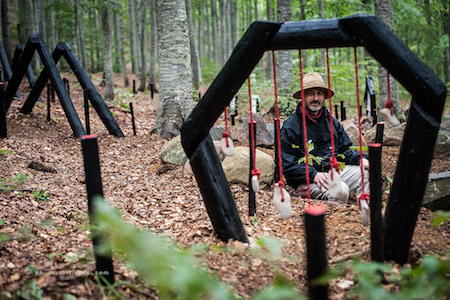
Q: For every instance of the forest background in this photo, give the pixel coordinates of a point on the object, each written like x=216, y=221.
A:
x=114, y=36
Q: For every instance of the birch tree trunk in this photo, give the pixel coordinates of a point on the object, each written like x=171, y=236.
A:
x=195, y=64
x=133, y=36
x=269, y=69
x=284, y=57
x=5, y=30
x=153, y=44
x=107, y=50
x=223, y=32
x=383, y=9
x=143, y=11
x=119, y=33
x=175, y=98
x=41, y=19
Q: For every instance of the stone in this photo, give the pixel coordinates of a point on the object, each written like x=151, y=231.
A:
x=216, y=132
x=391, y=136
x=172, y=152
x=443, y=139
x=353, y=132
x=236, y=167
x=240, y=132
x=437, y=192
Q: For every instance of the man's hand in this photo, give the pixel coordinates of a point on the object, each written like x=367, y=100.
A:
x=366, y=163
x=321, y=179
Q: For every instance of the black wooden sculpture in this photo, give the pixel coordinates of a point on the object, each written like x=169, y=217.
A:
x=428, y=98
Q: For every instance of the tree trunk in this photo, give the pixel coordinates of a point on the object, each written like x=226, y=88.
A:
x=383, y=9
x=269, y=69
x=223, y=32
x=447, y=50
x=133, y=36
x=215, y=30
x=80, y=36
x=284, y=57
x=196, y=75
x=41, y=19
x=5, y=30
x=175, y=97
x=143, y=11
x=153, y=43
x=234, y=23
x=119, y=33
x=107, y=51
x=323, y=61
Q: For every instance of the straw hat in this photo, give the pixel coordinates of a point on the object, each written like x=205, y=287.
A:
x=311, y=81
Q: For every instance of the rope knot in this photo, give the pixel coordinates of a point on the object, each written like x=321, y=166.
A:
x=389, y=104
x=256, y=172
x=225, y=134
x=363, y=196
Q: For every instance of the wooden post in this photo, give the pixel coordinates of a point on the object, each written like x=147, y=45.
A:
x=152, y=91
x=376, y=230
x=251, y=192
x=380, y=133
x=49, y=100
x=134, y=86
x=94, y=189
x=276, y=124
x=86, y=111
x=316, y=251
x=336, y=112
x=342, y=111
x=3, y=129
x=132, y=118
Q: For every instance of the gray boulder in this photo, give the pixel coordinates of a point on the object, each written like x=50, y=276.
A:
x=240, y=132
x=172, y=152
x=236, y=167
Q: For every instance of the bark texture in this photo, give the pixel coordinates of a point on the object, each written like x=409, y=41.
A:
x=284, y=57
x=175, y=98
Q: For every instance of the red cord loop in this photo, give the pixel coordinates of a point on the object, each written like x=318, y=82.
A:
x=389, y=104
x=363, y=196
x=280, y=185
x=226, y=135
x=334, y=164
x=256, y=172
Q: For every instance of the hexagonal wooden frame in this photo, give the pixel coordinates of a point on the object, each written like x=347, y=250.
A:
x=428, y=99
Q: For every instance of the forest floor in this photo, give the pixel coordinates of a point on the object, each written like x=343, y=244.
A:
x=48, y=231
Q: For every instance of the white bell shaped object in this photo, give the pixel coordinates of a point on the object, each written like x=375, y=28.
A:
x=365, y=212
x=227, y=150
x=282, y=201
x=337, y=189
x=389, y=119
x=255, y=183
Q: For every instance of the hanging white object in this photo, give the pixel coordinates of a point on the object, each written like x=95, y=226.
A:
x=282, y=201
x=365, y=212
x=255, y=183
x=228, y=150
x=337, y=189
x=233, y=104
x=255, y=103
x=389, y=119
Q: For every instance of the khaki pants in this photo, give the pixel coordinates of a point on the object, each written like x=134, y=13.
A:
x=351, y=175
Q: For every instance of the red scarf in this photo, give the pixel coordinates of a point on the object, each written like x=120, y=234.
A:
x=314, y=118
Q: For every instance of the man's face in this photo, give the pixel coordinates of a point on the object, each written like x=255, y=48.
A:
x=314, y=100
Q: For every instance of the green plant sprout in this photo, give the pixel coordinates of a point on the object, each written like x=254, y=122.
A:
x=439, y=217
x=318, y=159
x=41, y=195
x=16, y=182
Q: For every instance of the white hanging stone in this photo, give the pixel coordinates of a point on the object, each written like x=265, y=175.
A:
x=337, y=189
x=365, y=212
x=227, y=150
x=282, y=204
x=389, y=119
x=255, y=183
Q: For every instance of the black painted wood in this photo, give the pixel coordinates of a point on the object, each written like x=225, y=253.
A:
x=94, y=190
x=376, y=224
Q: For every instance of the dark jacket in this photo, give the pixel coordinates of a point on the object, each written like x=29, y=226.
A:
x=292, y=146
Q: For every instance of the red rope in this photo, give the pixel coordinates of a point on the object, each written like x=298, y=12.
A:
x=252, y=130
x=389, y=104
x=277, y=117
x=333, y=161
x=225, y=134
x=363, y=194
x=305, y=138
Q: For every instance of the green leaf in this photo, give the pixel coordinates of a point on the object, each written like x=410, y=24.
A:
x=440, y=217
